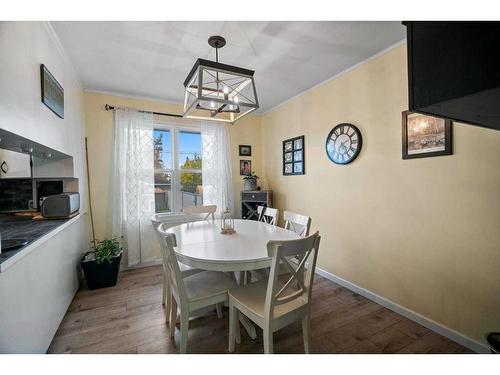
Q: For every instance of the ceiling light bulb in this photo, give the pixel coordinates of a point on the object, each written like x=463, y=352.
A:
x=225, y=89
x=236, y=100
x=212, y=105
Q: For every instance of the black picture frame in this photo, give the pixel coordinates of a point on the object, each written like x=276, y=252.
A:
x=242, y=148
x=405, y=141
x=52, y=93
x=294, y=156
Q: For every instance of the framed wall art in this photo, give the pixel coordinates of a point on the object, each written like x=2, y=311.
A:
x=245, y=167
x=52, y=92
x=245, y=150
x=425, y=136
x=294, y=156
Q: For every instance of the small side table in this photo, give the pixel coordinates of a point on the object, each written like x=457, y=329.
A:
x=251, y=199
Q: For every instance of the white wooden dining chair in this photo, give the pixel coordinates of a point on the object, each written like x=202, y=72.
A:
x=267, y=215
x=300, y=224
x=193, y=213
x=280, y=300
x=156, y=220
x=191, y=293
x=270, y=216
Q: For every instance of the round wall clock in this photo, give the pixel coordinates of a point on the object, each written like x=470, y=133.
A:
x=343, y=144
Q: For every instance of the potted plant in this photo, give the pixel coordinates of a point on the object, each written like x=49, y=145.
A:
x=250, y=182
x=101, y=265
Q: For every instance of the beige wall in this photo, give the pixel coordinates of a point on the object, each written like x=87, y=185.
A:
x=100, y=146
x=424, y=233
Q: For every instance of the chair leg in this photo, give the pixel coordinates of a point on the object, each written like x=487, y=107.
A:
x=164, y=298
x=237, y=331
x=218, y=307
x=168, y=308
x=168, y=303
x=184, y=331
x=306, y=332
x=233, y=322
x=173, y=315
x=268, y=340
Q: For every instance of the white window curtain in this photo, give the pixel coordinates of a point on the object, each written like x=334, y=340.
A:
x=217, y=171
x=133, y=184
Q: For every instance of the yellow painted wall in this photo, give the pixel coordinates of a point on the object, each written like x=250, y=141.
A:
x=100, y=145
x=246, y=131
x=424, y=233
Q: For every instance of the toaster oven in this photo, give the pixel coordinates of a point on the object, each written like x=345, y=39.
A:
x=60, y=206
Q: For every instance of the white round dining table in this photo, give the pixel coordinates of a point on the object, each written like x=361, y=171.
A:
x=200, y=244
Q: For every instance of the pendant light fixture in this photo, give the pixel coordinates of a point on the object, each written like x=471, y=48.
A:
x=219, y=92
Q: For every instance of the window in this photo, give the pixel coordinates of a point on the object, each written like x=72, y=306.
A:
x=190, y=168
x=163, y=170
x=178, y=178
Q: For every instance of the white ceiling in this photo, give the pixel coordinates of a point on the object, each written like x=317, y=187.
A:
x=152, y=59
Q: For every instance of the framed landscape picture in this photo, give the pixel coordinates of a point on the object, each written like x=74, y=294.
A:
x=293, y=156
x=52, y=92
x=245, y=150
x=425, y=136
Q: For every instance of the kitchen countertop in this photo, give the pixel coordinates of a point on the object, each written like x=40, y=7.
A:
x=12, y=226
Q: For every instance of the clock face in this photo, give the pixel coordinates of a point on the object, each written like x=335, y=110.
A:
x=343, y=144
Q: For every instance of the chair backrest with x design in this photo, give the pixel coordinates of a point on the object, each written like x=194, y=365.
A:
x=298, y=282
x=268, y=215
x=168, y=242
x=193, y=212
x=300, y=224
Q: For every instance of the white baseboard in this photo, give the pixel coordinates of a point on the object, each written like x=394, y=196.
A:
x=407, y=313
x=150, y=263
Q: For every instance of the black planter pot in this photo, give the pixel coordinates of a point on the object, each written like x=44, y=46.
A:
x=101, y=275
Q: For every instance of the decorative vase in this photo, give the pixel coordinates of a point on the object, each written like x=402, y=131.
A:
x=250, y=184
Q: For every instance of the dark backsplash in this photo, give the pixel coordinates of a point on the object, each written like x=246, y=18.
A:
x=46, y=188
x=15, y=194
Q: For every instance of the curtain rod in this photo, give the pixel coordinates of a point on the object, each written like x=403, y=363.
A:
x=108, y=107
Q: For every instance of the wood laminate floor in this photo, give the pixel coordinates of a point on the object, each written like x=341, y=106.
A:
x=129, y=318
